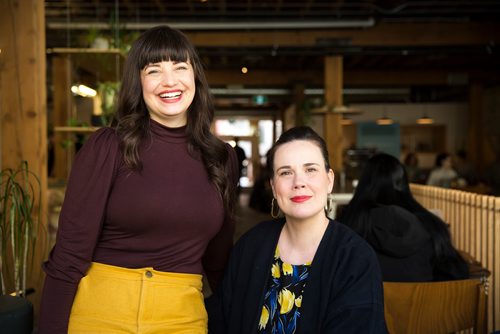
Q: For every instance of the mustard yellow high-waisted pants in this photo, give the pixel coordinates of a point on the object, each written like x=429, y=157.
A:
x=144, y=301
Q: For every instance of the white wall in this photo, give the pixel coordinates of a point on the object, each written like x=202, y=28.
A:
x=453, y=115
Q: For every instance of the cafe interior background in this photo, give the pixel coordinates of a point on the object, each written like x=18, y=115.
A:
x=397, y=76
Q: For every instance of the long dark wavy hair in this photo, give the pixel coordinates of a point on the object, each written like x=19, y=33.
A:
x=132, y=120
x=384, y=182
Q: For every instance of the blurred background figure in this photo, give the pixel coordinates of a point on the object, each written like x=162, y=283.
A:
x=443, y=174
x=412, y=244
x=240, y=153
x=412, y=169
x=262, y=194
x=465, y=169
x=492, y=177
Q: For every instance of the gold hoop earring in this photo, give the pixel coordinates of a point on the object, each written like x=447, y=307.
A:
x=330, y=207
x=272, y=210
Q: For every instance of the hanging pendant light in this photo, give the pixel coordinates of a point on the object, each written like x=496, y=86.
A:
x=384, y=120
x=425, y=120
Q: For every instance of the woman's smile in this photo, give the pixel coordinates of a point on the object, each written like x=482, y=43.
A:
x=171, y=96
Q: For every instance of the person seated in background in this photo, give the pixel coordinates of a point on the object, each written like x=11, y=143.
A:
x=302, y=273
x=412, y=169
x=261, y=194
x=412, y=244
x=492, y=177
x=240, y=154
x=443, y=174
x=465, y=168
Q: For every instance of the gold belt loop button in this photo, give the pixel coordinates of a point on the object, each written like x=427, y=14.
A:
x=149, y=274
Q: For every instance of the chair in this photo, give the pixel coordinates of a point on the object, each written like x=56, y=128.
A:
x=436, y=307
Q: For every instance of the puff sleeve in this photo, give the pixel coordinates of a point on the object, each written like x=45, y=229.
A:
x=80, y=222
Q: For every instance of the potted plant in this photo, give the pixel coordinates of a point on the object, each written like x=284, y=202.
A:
x=19, y=222
x=96, y=39
x=108, y=94
x=126, y=41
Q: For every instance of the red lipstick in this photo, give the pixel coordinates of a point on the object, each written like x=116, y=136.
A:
x=300, y=199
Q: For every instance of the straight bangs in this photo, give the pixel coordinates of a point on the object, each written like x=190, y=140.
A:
x=164, y=46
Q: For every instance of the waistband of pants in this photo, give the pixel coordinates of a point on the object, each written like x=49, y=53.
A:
x=147, y=273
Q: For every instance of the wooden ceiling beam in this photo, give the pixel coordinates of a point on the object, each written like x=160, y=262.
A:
x=383, y=34
x=351, y=78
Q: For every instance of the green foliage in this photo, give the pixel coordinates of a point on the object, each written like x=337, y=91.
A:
x=305, y=110
x=127, y=40
x=75, y=138
x=116, y=36
x=108, y=91
x=19, y=223
x=96, y=38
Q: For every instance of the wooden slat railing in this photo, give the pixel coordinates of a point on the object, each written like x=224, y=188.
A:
x=475, y=228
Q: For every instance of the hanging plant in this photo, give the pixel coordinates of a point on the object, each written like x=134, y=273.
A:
x=97, y=39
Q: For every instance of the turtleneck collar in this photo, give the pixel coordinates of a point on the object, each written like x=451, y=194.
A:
x=172, y=135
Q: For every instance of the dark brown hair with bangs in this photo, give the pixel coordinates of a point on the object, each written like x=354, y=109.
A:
x=132, y=118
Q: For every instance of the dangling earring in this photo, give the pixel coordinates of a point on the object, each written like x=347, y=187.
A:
x=272, y=210
x=330, y=207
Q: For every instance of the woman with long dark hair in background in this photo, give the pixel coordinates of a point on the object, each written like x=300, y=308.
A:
x=412, y=244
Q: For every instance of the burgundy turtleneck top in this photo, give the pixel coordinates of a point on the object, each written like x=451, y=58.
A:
x=168, y=216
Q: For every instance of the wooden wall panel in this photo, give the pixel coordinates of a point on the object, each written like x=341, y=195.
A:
x=63, y=104
x=23, y=110
x=475, y=228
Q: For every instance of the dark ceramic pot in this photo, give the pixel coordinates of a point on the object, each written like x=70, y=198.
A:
x=16, y=315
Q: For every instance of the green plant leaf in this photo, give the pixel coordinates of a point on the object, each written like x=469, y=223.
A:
x=19, y=222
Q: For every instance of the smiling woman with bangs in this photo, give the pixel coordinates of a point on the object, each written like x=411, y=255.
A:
x=148, y=207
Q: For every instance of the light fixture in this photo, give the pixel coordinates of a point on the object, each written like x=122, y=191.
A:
x=241, y=90
x=232, y=25
x=425, y=120
x=337, y=110
x=346, y=110
x=83, y=90
x=384, y=120
x=346, y=120
x=244, y=70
